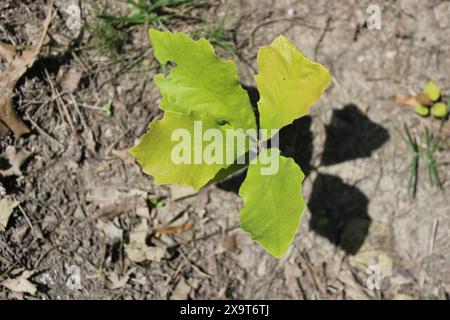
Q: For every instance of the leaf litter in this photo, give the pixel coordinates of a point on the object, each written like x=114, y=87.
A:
x=21, y=283
x=16, y=158
x=17, y=63
x=70, y=79
x=7, y=205
x=137, y=248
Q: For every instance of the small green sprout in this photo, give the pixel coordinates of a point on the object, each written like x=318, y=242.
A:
x=153, y=13
x=323, y=218
x=429, y=102
x=427, y=148
x=155, y=202
x=217, y=34
x=108, y=109
x=413, y=146
x=431, y=146
x=288, y=83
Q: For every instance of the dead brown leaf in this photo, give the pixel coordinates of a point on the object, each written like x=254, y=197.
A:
x=70, y=79
x=353, y=289
x=137, y=249
x=405, y=100
x=113, y=202
x=117, y=281
x=17, y=64
x=7, y=51
x=227, y=243
x=424, y=99
x=21, y=283
x=7, y=205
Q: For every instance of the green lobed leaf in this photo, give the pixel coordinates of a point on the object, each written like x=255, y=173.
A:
x=288, y=83
x=273, y=204
x=200, y=81
x=201, y=87
x=154, y=152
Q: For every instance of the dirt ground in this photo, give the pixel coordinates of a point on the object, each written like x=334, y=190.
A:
x=84, y=200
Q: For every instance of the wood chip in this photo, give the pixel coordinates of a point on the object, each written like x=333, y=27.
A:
x=173, y=230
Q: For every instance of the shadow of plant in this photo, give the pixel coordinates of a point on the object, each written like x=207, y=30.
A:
x=339, y=212
x=296, y=142
x=351, y=135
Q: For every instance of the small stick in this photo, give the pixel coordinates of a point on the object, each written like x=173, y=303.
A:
x=6, y=261
x=42, y=131
x=433, y=236
x=89, y=107
x=26, y=216
x=59, y=101
x=172, y=230
x=77, y=109
x=322, y=36
x=111, y=147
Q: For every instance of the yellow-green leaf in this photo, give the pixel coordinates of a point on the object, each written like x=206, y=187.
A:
x=200, y=81
x=439, y=110
x=432, y=90
x=162, y=155
x=422, y=110
x=273, y=204
x=204, y=90
x=288, y=83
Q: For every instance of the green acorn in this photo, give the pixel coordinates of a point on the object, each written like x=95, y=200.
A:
x=439, y=110
x=423, y=111
x=432, y=90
